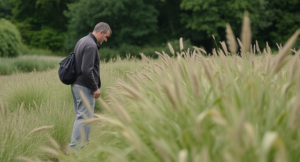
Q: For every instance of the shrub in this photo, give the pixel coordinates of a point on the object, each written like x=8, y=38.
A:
x=10, y=42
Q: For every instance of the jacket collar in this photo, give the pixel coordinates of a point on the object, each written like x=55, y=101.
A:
x=94, y=38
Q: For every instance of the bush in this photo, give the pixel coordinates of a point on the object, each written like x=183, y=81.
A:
x=10, y=42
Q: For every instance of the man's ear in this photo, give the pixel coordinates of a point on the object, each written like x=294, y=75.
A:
x=101, y=32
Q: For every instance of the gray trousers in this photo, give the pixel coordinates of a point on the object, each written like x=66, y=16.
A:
x=81, y=110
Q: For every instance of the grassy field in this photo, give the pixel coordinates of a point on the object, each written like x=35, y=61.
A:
x=39, y=100
x=187, y=108
x=27, y=64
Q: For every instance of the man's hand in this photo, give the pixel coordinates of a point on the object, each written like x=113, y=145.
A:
x=97, y=93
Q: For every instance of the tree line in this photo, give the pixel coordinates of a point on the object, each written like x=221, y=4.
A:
x=58, y=24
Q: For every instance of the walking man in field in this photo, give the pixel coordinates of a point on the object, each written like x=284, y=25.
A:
x=88, y=62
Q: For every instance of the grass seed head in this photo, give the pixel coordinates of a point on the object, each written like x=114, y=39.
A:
x=40, y=129
x=246, y=33
x=181, y=44
x=171, y=49
x=230, y=39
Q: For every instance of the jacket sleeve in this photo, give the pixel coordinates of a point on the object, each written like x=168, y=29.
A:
x=88, y=60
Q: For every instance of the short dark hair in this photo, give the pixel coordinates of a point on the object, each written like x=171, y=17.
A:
x=102, y=26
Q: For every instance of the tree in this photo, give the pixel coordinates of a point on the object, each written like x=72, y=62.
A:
x=41, y=22
x=286, y=20
x=10, y=42
x=6, y=9
x=134, y=21
x=208, y=17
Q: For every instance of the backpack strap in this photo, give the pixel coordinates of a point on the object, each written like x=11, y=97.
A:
x=80, y=72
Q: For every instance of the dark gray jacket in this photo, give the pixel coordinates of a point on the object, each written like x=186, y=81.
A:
x=88, y=62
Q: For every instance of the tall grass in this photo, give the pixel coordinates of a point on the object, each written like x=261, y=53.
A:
x=195, y=108
x=27, y=64
x=36, y=105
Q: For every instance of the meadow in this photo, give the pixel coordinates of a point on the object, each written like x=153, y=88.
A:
x=184, y=107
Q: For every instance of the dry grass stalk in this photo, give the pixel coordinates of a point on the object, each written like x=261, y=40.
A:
x=278, y=46
x=139, y=78
x=200, y=49
x=195, y=83
x=240, y=128
x=265, y=52
x=268, y=48
x=145, y=75
x=161, y=151
x=257, y=48
x=83, y=138
x=220, y=84
x=182, y=156
x=167, y=58
x=133, y=82
x=129, y=72
x=214, y=53
x=122, y=113
x=295, y=64
x=251, y=134
x=281, y=58
x=246, y=33
x=144, y=58
x=105, y=105
x=25, y=159
x=3, y=144
x=159, y=54
x=294, y=51
x=169, y=93
x=159, y=66
x=224, y=62
x=110, y=120
x=50, y=151
x=177, y=87
x=1, y=107
x=242, y=47
x=205, y=155
x=251, y=49
x=40, y=129
x=131, y=91
x=53, y=142
x=165, y=63
x=207, y=71
x=171, y=49
x=181, y=44
x=254, y=50
x=224, y=47
x=231, y=39
x=294, y=120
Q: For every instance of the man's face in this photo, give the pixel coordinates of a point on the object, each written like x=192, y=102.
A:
x=102, y=37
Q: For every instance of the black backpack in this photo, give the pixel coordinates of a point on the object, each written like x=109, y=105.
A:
x=67, y=70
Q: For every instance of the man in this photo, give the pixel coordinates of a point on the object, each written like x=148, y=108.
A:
x=88, y=62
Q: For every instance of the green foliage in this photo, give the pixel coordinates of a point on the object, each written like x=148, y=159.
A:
x=286, y=20
x=26, y=64
x=6, y=9
x=10, y=42
x=209, y=17
x=41, y=23
x=134, y=21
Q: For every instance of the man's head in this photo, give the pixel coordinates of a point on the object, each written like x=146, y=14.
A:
x=102, y=31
